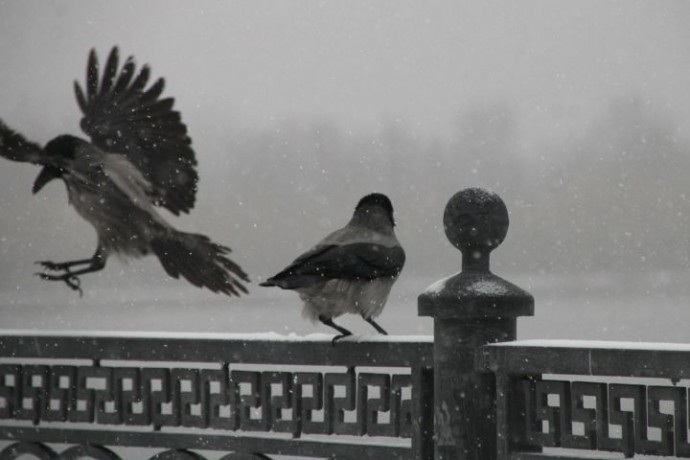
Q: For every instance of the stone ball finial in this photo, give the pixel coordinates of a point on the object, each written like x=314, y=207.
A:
x=476, y=222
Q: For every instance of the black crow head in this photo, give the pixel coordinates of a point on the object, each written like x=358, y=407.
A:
x=380, y=200
x=62, y=146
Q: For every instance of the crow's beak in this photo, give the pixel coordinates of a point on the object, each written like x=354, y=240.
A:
x=46, y=175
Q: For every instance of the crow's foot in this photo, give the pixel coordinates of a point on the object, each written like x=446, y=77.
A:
x=70, y=280
x=338, y=337
x=54, y=266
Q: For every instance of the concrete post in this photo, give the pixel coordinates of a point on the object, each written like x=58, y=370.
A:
x=470, y=309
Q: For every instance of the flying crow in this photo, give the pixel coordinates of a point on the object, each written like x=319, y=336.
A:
x=352, y=270
x=139, y=157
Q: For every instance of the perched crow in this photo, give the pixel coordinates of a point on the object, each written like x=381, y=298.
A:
x=139, y=157
x=352, y=270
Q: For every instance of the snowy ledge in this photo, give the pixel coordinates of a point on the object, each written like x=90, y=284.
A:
x=596, y=344
x=588, y=357
x=258, y=348
x=255, y=336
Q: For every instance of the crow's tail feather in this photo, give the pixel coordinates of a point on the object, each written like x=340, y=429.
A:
x=200, y=261
x=286, y=280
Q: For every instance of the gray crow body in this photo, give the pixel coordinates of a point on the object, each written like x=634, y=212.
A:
x=352, y=270
x=139, y=157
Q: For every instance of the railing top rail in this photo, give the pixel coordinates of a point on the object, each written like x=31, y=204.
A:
x=581, y=357
x=594, y=344
x=260, y=348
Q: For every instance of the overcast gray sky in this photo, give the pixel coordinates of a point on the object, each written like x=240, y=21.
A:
x=251, y=62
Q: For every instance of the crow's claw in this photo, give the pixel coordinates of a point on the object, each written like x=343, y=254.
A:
x=70, y=280
x=54, y=266
x=338, y=337
x=74, y=283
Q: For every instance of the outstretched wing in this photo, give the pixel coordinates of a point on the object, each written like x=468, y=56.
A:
x=16, y=147
x=355, y=261
x=122, y=116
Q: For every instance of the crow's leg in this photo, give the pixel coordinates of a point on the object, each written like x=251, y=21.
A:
x=376, y=326
x=71, y=278
x=329, y=322
x=63, y=266
x=66, y=266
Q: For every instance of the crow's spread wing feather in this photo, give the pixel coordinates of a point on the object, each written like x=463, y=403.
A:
x=357, y=261
x=122, y=116
x=16, y=147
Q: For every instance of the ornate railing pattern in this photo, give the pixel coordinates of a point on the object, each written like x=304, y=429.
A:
x=253, y=395
x=633, y=399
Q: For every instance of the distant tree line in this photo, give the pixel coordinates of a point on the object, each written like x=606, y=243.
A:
x=615, y=198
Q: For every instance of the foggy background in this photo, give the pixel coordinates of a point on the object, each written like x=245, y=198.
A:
x=576, y=113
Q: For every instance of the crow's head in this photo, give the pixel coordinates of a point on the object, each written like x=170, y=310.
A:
x=60, y=147
x=378, y=200
x=63, y=146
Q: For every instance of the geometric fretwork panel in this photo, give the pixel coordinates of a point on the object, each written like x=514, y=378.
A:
x=628, y=418
x=376, y=404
